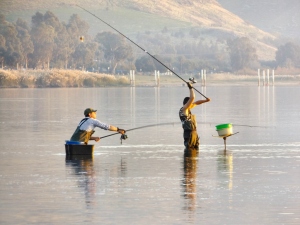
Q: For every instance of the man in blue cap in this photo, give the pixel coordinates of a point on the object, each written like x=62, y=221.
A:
x=85, y=128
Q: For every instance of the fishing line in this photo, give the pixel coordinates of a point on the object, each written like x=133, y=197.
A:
x=241, y=125
x=139, y=47
x=136, y=128
x=173, y=123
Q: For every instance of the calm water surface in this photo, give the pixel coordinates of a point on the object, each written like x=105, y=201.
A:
x=149, y=179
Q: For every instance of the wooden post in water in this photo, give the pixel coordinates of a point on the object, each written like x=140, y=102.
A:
x=268, y=77
x=273, y=76
x=258, y=75
x=202, y=78
x=132, y=78
x=264, y=77
x=156, y=76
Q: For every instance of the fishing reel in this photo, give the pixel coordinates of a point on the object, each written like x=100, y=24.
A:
x=123, y=137
x=192, y=79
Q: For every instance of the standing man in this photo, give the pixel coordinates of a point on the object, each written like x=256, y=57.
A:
x=85, y=128
x=188, y=120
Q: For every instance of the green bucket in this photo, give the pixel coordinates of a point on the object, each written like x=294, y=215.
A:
x=223, y=126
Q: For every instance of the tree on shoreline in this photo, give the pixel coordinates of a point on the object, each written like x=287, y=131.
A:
x=25, y=38
x=242, y=53
x=115, y=48
x=288, y=55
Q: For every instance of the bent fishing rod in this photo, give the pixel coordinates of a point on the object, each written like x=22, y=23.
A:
x=136, y=128
x=140, y=48
x=171, y=123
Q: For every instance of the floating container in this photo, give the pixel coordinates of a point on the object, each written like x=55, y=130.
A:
x=78, y=148
x=224, y=129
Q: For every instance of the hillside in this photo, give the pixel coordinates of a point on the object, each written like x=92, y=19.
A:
x=281, y=16
x=134, y=16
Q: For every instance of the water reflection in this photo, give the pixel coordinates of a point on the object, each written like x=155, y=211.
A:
x=225, y=166
x=260, y=167
x=82, y=166
x=132, y=105
x=266, y=104
x=190, y=159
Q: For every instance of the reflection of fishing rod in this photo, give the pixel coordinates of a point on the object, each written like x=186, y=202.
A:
x=140, y=48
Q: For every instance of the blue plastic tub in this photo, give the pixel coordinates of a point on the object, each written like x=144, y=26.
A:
x=74, y=143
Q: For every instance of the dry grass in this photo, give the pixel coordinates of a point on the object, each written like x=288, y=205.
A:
x=58, y=78
x=76, y=78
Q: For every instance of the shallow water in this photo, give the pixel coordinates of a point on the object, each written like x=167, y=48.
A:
x=149, y=178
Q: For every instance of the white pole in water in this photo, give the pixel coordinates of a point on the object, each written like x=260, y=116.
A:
x=273, y=76
x=268, y=77
x=158, y=78
x=264, y=77
x=258, y=75
x=202, y=78
x=130, y=77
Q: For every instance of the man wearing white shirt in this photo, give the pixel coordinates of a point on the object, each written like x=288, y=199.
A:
x=85, y=128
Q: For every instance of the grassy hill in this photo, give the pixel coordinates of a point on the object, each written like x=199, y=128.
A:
x=280, y=16
x=134, y=16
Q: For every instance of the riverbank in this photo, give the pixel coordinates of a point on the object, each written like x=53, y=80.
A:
x=76, y=78
x=58, y=78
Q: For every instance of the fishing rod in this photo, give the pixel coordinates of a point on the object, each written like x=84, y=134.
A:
x=141, y=49
x=242, y=125
x=170, y=123
x=136, y=128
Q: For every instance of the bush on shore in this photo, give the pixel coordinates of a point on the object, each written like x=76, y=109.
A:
x=58, y=78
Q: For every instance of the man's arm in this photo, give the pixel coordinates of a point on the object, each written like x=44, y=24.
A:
x=117, y=129
x=199, y=102
x=189, y=104
x=95, y=139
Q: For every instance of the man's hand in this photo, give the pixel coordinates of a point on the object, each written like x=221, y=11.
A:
x=189, y=85
x=97, y=139
x=121, y=131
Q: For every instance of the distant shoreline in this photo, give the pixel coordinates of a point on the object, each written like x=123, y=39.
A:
x=81, y=79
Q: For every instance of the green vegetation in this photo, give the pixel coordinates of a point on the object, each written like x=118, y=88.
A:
x=75, y=40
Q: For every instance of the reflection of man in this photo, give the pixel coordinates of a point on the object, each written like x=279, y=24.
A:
x=84, y=168
x=190, y=177
x=188, y=120
x=85, y=128
x=225, y=166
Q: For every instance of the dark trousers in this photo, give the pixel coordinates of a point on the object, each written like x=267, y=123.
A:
x=191, y=140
